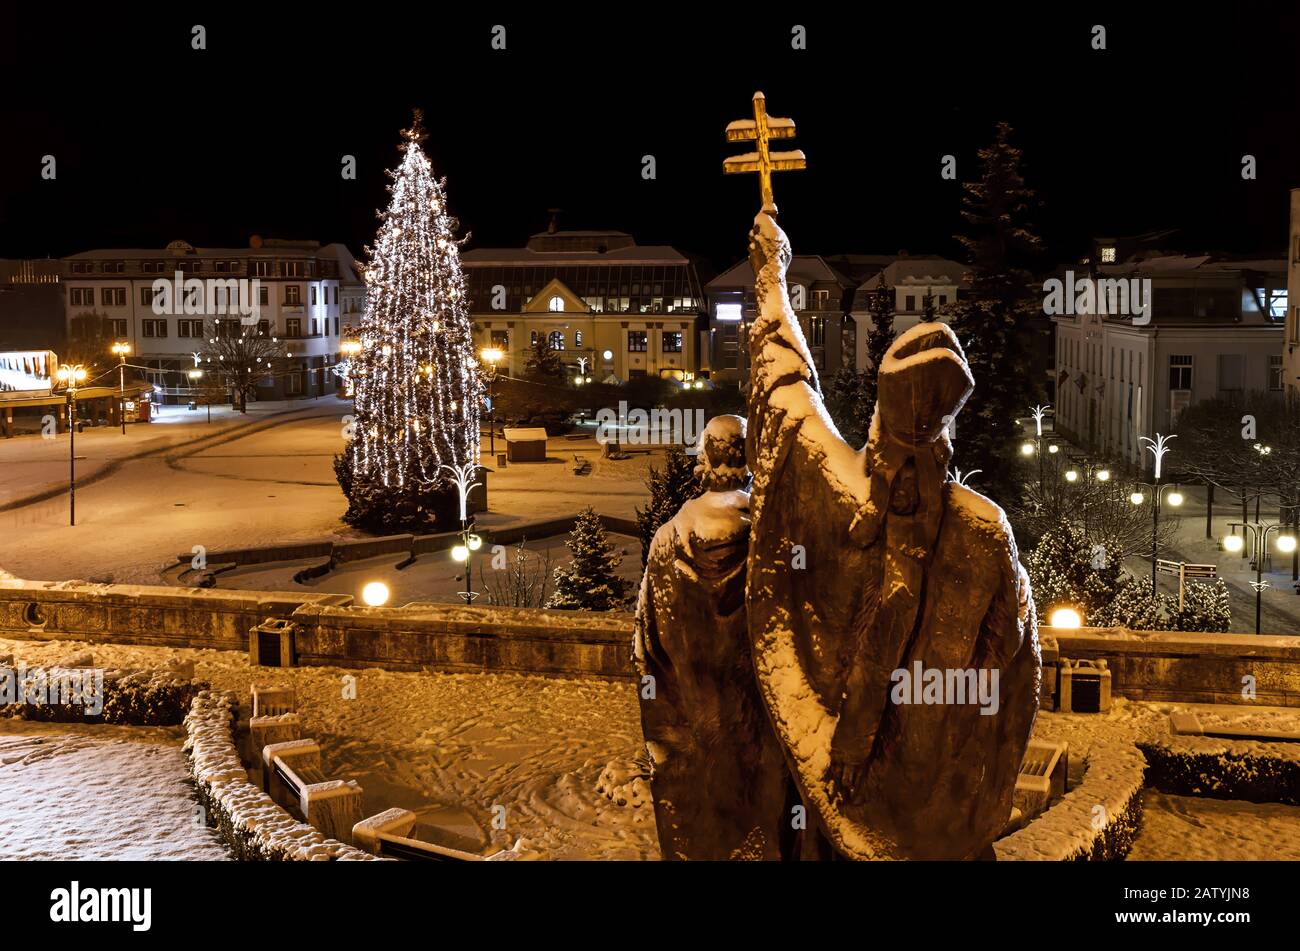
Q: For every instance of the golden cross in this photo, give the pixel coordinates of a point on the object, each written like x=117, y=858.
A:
x=760, y=129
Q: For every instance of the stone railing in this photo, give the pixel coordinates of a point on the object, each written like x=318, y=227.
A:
x=1190, y=667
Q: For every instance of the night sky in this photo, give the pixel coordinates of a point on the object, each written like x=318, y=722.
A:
x=156, y=141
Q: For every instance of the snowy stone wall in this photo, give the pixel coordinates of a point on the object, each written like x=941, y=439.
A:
x=1190, y=667
x=331, y=630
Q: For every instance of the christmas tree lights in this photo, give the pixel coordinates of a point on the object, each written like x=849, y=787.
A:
x=416, y=377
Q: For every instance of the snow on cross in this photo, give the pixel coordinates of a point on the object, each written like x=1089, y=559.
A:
x=760, y=129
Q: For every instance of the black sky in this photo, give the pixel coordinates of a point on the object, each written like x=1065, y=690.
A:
x=156, y=141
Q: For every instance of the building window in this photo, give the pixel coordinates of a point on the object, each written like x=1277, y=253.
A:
x=261, y=268
x=501, y=340
x=311, y=327
x=577, y=339
x=942, y=299
x=292, y=295
x=672, y=341
x=291, y=268
x=189, y=328
x=293, y=327
x=637, y=341
x=533, y=337
x=83, y=296
x=1275, y=371
x=263, y=296
x=909, y=303
x=119, y=329
x=1108, y=255
x=154, y=328
x=555, y=305
x=263, y=328
x=1180, y=372
x=113, y=296
x=313, y=295
x=147, y=296
x=555, y=340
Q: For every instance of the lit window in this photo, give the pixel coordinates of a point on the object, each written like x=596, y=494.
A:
x=1108, y=255
x=728, y=312
x=556, y=339
x=556, y=304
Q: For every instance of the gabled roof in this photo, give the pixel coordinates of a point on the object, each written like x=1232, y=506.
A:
x=804, y=269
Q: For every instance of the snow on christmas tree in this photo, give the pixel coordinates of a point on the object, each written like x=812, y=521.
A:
x=417, y=382
x=590, y=582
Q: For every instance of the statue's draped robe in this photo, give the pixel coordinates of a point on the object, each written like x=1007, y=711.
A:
x=843, y=590
x=719, y=780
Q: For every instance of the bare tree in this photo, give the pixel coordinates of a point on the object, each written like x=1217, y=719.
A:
x=239, y=356
x=522, y=584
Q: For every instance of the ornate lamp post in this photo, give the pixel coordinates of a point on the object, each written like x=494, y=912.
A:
x=469, y=543
x=1259, y=532
x=1157, y=447
x=71, y=375
x=491, y=356
x=195, y=376
x=121, y=350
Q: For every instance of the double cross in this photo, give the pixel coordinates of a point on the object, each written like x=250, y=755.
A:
x=760, y=129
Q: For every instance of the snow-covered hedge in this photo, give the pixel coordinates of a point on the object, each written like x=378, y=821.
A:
x=252, y=825
x=130, y=697
x=1224, y=769
x=1095, y=821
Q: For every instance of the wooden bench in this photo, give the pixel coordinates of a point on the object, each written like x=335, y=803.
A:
x=385, y=834
x=292, y=773
x=1043, y=777
x=580, y=465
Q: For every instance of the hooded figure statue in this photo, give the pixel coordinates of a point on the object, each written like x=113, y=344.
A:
x=719, y=780
x=892, y=627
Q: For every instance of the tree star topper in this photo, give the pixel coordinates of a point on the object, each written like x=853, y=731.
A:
x=760, y=129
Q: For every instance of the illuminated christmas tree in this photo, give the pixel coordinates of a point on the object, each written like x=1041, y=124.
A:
x=417, y=382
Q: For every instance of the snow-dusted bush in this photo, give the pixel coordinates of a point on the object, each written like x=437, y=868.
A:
x=1224, y=769
x=1095, y=821
x=590, y=582
x=249, y=821
x=130, y=697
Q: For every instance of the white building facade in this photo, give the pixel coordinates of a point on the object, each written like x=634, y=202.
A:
x=1215, y=329
x=300, y=292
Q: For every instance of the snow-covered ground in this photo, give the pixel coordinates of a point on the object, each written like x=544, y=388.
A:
x=454, y=747
x=450, y=747
x=270, y=482
x=98, y=792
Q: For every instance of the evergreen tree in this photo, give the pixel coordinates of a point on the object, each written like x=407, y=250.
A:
x=881, y=335
x=670, y=489
x=998, y=320
x=590, y=582
x=544, y=363
x=417, y=385
x=850, y=401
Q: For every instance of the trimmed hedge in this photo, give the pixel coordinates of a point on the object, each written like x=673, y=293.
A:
x=130, y=697
x=1222, y=770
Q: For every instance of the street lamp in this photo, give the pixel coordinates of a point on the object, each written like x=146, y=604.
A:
x=121, y=350
x=1158, y=447
x=491, y=356
x=195, y=376
x=1259, y=532
x=469, y=542
x=71, y=375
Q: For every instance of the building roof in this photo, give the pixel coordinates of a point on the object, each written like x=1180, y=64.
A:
x=922, y=271
x=178, y=249
x=524, y=257
x=804, y=269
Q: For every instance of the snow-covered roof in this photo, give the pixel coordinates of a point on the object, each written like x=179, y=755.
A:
x=924, y=271
x=804, y=269
x=525, y=434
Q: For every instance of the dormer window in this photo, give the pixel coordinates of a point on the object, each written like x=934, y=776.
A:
x=1108, y=255
x=556, y=305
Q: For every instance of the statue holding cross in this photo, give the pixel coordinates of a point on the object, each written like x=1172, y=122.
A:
x=760, y=129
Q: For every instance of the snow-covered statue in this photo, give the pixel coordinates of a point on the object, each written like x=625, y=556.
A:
x=720, y=784
x=892, y=628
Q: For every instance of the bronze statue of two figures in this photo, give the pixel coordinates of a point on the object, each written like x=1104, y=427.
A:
x=842, y=660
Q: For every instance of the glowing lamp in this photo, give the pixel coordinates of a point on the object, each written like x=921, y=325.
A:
x=1175, y=498
x=1103, y=475
x=1027, y=449
x=474, y=542
x=460, y=553
x=1234, y=543
x=375, y=594
x=1053, y=449
x=1137, y=498
x=1072, y=476
x=1286, y=543
x=1066, y=618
